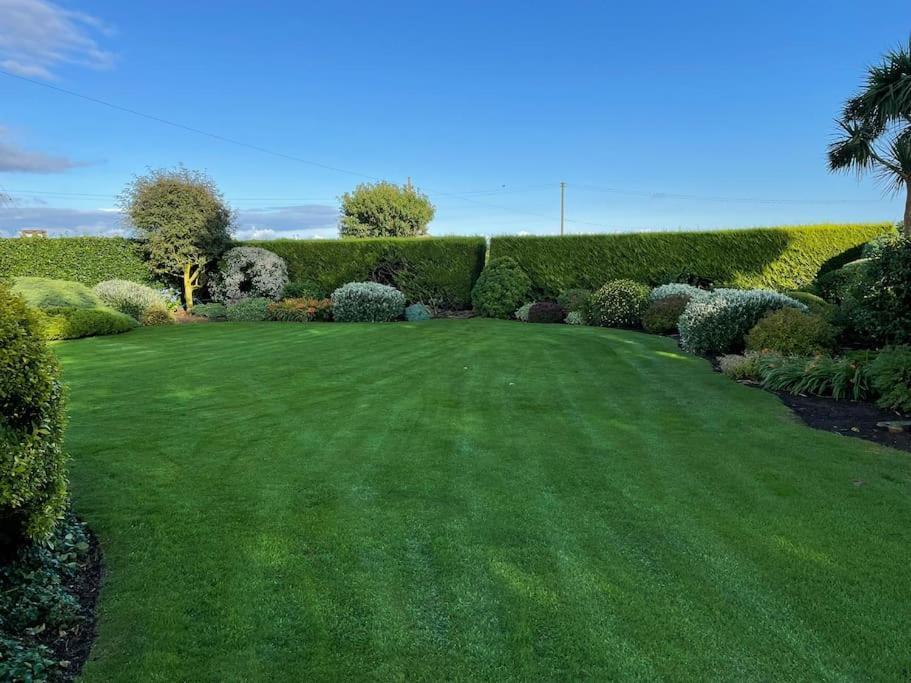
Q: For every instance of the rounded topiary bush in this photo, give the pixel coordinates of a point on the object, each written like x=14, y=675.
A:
x=791, y=332
x=65, y=322
x=417, y=313
x=128, y=297
x=501, y=288
x=661, y=314
x=254, y=310
x=546, y=312
x=619, y=303
x=718, y=321
x=247, y=273
x=367, y=302
x=32, y=461
x=675, y=289
x=815, y=304
x=156, y=315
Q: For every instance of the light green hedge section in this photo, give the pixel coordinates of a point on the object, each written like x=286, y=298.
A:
x=778, y=258
x=439, y=270
x=88, y=260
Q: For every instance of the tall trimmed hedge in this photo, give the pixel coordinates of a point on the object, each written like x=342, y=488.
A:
x=776, y=258
x=88, y=260
x=438, y=269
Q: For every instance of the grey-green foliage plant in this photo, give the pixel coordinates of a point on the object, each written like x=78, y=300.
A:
x=367, y=302
x=128, y=297
x=182, y=222
x=385, y=209
x=875, y=127
x=417, y=312
x=249, y=272
x=718, y=321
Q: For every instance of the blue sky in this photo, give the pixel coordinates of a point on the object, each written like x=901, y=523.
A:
x=658, y=115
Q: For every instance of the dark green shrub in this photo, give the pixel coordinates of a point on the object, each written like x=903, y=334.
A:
x=74, y=323
x=815, y=304
x=844, y=377
x=661, y=315
x=303, y=289
x=417, y=313
x=212, y=310
x=791, y=332
x=437, y=270
x=833, y=286
x=248, y=310
x=300, y=310
x=43, y=292
x=367, y=302
x=890, y=375
x=33, y=485
x=878, y=302
x=619, y=303
x=776, y=258
x=575, y=300
x=88, y=260
x=718, y=321
x=501, y=288
x=546, y=312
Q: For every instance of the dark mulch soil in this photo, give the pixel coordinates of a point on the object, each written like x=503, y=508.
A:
x=75, y=646
x=847, y=418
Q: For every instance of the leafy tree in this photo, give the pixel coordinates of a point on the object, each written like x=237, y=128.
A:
x=876, y=127
x=385, y=209
x=182, y=221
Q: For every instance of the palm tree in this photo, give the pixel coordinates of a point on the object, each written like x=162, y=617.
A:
x=876, y=127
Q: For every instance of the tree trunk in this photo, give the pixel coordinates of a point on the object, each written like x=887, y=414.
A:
x=906, y=227
x=188, y=286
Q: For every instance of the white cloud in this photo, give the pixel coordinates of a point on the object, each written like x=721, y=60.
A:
x=37, y=36
x=16, y=159
x=306, y=221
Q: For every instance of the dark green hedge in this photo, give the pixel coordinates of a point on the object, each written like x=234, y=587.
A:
x=88, y=260
x=776, y=258
x=431, y=269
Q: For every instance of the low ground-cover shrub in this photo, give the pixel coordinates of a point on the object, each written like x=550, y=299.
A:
x=368, y=302
x=65, y=322
x=33, y=486
x=661, y=314
x=46, y=293
x=417, y=312
x=212, y=310
x=501, y=288
x=300, y=310
x=157, y=315
x=521, y=313
x=546, y=312
x=842, y=377
x=619, y=303
x=128, y=297
x=249, y=272
x=254, y=309
x=718, y=321
x=791, y=332
x=38, y=605
x=890, y=376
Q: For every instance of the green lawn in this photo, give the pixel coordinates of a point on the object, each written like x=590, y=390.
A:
x=473, y=500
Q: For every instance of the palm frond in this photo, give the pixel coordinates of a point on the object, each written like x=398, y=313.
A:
x=854, y=147
x=887, y=93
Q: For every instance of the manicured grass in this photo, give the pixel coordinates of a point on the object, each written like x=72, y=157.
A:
x=473, y=500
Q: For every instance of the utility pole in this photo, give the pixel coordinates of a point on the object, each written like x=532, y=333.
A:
x=562, y=205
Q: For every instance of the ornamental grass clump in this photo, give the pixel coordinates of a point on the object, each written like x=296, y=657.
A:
x=367, y=302
x=619, y=303
x=843, y=377
x=890, y=375
x=249, y=272
x=128, y=297
x=718, y=321
x=303, y=310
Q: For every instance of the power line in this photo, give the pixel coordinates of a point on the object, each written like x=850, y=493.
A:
x=757, y=200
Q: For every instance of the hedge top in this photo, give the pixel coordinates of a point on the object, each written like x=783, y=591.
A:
x=88, y=260
x=777, y=258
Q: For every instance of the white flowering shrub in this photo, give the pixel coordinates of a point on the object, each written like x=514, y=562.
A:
x=718, y=321
x=129, y=297
x=522, y=312
x=675, y=289
x=249, y=272
x=367, y=302
x=575, y=318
